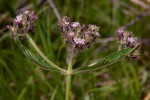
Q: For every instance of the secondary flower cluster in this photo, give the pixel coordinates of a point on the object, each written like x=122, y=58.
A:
x=77, y=37
x=23, y=23
x=126, y=39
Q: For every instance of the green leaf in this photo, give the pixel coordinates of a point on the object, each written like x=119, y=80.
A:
x=35, y=58
x=106, y=61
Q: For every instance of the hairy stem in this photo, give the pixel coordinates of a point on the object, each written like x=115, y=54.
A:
x=43, y=56
x=68, y=79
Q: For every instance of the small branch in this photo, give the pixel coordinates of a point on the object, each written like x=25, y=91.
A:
x=141, y=3
x=54, y=9
x=24, y=6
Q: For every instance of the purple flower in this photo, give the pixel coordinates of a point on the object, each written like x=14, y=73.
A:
x=79, y=41
x=130, y=39
x=71, y=34
x=83, y=26
x=97, y=34
x=86, y=33
x=131, y=42
x=18, y=19
x=27, y=12
x=8, y=27
x=120, y=34
x=32, y=16
x=130, y=34
x=75, y=24
x=91, y=26
x=64, y=21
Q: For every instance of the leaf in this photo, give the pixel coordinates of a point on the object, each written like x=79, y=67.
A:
x=35, y=58
x=106, y=61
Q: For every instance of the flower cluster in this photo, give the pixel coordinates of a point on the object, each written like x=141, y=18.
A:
x=76, y=36
x=126, y=39
x=22, y=24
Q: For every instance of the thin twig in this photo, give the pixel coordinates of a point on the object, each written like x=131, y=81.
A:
x=141, y=3
x=25, y=6
x=54, y=9
x=138, y=18
x=132, y=22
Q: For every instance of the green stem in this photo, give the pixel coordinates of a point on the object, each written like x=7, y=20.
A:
x=119, y=48
x=68, y=85
x=43, y=56
x=68, y=79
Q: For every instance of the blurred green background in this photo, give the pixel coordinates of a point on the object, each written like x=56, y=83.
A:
x=20, y=79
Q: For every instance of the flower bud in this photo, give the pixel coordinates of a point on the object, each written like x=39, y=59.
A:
x=120, y=34
x=8, y=27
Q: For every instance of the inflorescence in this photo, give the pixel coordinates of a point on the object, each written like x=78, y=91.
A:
x=77, y=37
x=126, y=39
x=23, y=24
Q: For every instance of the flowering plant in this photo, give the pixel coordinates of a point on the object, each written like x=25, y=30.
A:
x=77, y=38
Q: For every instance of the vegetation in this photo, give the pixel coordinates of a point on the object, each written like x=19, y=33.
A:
x=125, y=80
